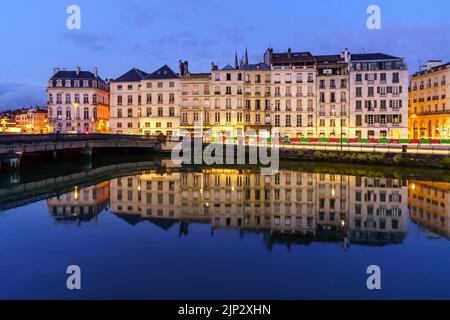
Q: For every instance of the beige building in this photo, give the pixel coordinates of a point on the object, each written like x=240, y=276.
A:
x=126, y=102
x=143, y=103
x=78, y=102
x=294, y=93
x=333, y=92
x=429, y=102
x=195, y=99
x=378, y=96
x=32, y=121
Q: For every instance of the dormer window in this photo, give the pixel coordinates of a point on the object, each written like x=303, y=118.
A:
x=77, y=83
x=50, y=83
x=85, y=83
x=94, y=84
x=68, y=84
x=59, y=83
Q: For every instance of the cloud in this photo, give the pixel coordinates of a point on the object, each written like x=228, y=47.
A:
x=91, y=41
x=18, y=95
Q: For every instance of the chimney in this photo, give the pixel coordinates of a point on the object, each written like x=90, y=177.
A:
x=433, y=63
x=96, y=72
x=346, y=55
x=78, y=70
x=56, y=70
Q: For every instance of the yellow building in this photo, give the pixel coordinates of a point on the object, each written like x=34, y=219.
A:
x=32, y=121
x=429, y=204
x=429, y=102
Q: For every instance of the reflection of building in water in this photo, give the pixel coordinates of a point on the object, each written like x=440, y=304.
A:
x=378, y=210
x=148, y=196
x=292, y=206
x=81, y=204
x=429, y=204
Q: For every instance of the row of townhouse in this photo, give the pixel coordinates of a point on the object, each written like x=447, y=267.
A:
x=299, y=94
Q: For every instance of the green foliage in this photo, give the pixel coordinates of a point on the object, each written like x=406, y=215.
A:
x=399, y=160
x=445, y=162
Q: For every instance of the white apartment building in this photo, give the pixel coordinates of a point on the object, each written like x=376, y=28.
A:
x=143, y=103
x=333, y=116
x=294, y=93
x=126, y=102
x=378, y=96
x=78, y=102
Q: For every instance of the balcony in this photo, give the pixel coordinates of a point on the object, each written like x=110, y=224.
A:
x=435, y=112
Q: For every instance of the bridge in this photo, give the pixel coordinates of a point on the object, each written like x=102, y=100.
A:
x=17, y=195
x=12, y=147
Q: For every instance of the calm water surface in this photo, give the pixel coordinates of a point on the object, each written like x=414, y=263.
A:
x=222, y=233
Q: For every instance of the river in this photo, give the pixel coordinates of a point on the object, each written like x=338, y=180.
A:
x=150, y=230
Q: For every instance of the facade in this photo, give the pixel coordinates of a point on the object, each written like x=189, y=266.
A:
x=145, y=103
x=333, y=91
x=378, y=96
x=429, y=102
x=195, y=99
x=126, y=102
x=32, y=121
x=294, y=77
x=78, y=102
x=297, y=94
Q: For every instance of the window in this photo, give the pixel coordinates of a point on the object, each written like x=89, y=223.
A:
x=86, y=114
x=359, y=92
x=68, y=98
x=277, y=120
x=228, y=117
x=130, y=100
x=395, y=77
x=119, y=100
x=160, y=112
x=130, y=113
x=85, y=98
x=149, y=98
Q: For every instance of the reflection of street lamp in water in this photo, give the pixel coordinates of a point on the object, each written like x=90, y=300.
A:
x=76, y=105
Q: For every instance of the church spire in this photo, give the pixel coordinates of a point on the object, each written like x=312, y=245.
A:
x=236, y=63
x=246, y=56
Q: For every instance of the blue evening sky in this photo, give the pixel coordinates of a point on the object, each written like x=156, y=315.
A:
x=118, y=35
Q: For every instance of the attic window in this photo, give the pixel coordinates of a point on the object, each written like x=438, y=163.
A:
x=165, y=71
